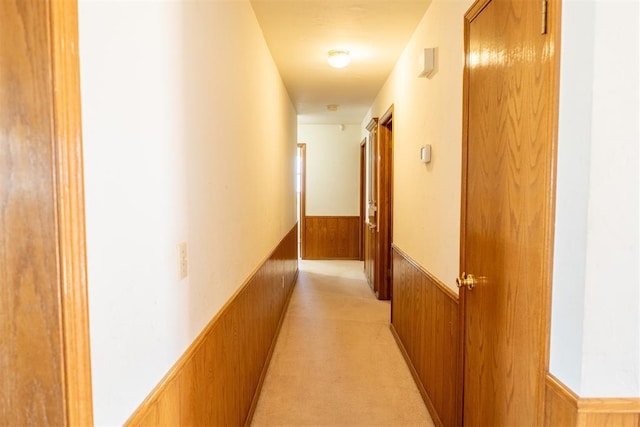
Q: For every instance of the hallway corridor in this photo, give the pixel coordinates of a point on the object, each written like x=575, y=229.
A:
x=336, y=362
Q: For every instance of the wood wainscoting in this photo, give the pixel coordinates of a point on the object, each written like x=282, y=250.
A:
x=332, y=237
x=218, y=379
x=424, y=321
x=564, y=408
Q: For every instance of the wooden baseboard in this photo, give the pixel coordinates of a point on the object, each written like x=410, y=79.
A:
x=217, y=379
x=563, y=408
x=332, y=237
x=424, y=316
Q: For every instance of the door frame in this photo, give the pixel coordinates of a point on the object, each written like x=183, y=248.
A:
x=385, y=204
x=363, y=198
x=303, y=198
x=69, y=199
x=554, y=8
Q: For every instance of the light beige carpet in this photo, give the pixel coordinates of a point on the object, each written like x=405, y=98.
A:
x=335, y=362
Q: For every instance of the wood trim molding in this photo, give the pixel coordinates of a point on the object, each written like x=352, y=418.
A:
x=69, y=195
x=616, y=405
x=561, y=390
x=218, y=378
x=565, y=408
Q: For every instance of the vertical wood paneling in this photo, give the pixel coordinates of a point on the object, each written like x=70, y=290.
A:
x=217, y=381
x=563, y=408
x=425, y=323
x=332, y=237
x=369, y=254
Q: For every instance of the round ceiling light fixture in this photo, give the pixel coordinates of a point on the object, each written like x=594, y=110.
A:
x=339, y=58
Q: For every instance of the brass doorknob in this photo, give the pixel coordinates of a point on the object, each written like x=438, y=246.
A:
x=467, y=280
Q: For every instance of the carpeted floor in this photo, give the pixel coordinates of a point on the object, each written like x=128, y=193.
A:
x=336, y=362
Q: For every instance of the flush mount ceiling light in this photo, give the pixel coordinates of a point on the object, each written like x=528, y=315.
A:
x=339, y=58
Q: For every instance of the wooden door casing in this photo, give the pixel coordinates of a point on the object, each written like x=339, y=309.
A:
x=370, y=240
x=303, y=200
x=509, y=145
x=44, y=337
x=363, y=198
x=385, y=206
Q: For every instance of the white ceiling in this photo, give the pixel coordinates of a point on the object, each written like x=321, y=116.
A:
x=301, y=32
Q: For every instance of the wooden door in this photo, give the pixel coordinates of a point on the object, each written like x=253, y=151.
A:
x=507, y=216
x=385, y=206
x=45, y=376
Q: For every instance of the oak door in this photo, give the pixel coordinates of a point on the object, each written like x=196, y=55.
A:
x=507, y=228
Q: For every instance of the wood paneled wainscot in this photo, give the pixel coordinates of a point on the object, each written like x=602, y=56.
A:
x=564, y=408
x=424, y=321
x=332, y=237
x=217, y=381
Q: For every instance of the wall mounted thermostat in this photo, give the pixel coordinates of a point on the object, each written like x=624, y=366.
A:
x=425, y=153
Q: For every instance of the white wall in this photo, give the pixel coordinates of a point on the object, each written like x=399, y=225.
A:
x=595, y=325
x=182, y=143
x=333, y=169
x=426, y=216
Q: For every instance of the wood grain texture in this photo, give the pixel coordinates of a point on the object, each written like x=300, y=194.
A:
x=508, y=166
x=70, y=211
x=384, y=229
x=563, y=408
x=32, y=385
x=425, y=320
x=608, y=420
x=332, y=237
x=217, y=380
